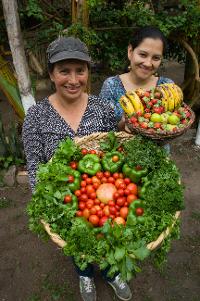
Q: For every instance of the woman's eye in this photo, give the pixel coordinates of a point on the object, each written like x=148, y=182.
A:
x=157, y=58
x=80, y=71
x=142, y=54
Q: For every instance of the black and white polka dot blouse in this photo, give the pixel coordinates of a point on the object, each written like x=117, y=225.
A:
x=44, y=128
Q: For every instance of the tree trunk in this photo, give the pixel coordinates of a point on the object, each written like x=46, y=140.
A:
x=17, y=48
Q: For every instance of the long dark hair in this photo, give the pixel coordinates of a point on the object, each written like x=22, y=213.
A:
x=148, y=32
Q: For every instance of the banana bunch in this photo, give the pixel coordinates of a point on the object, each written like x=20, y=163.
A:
x=172, y=96
x=131, y=103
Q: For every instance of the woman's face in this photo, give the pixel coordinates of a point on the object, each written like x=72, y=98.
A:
x=70, y=78
x=145, y=58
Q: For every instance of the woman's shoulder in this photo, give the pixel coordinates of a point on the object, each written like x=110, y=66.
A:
x=98, y=101
x=39, y=108
x=112, y=80
x=164, y=80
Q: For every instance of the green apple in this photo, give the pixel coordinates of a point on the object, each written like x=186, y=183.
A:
x=155, y=117
x=173, y=119
x=164, y=117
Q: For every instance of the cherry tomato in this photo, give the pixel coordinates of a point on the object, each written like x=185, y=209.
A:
x=139, y=211
x=116, y=175
x=133, y=188
x=92, y=151
x=127, y=181
x=70, y=179
x=94, y=219
x=119, y=220
x=93, y=210
x=81, y=205
x=95, y=180
x=116, y=195
x=111, y=180
x=83, y=190
x=120, y=201
x=97, y=207
x=112, y=216
x=102, y=221
x=100, y=213
x=118, y=182
x=96, y=185
x=86, y=213
x=89, y=189
x=115, y=158
x=122, y=186
x=67, y=198
x=93, y=195
x=113, y=210
x=102, y=205
x=89, y=181
x=126, y=191
x=106, y=210
x=104, y=180
x=83, y=197
x=107, y=174
x=99, y=175
x=83, y=183
x=121, y=192
x=97, y=202
x=131, y=198
x=111, y=203
x=84, y=176
x=123, y=212
x=120, y=149
x=77, y=193
x=121, y=176
x=79, y=213
x=89, y=204
x=73, y=164
x=84, y=151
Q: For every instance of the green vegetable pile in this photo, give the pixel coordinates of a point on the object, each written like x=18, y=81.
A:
x=121, y=248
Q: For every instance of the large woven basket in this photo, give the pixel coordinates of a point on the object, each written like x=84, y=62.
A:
x=162, y=135
x=92, y=142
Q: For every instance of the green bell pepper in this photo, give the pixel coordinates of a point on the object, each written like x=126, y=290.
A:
x=112, y=161
x=89, y=164
x=133, y=218
x=143, y=189
x=134, y=174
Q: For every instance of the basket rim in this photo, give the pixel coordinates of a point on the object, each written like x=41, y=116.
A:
x=160, y=135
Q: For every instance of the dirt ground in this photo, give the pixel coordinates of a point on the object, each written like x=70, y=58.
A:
x=33, y=270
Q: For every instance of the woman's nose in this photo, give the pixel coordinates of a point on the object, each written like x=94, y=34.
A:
x=73, y=78
x=148, y=62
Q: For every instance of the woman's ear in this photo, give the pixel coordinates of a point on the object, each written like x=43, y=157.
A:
x=130, y=50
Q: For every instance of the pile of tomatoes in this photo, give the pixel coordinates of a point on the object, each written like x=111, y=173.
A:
x=105, y=196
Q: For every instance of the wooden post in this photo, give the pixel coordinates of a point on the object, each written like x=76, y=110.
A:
x=11, y=16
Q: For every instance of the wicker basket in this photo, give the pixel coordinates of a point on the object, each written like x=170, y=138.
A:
x=92, y=142
x=163, y=135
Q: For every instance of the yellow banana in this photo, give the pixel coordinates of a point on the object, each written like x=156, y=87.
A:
x=126, y=105
x=135, y=100
x=180, y=94
x=175, y=94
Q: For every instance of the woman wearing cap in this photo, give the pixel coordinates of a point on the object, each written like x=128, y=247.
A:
x=71, y=112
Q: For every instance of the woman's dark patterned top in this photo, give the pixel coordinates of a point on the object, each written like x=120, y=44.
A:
x=44, y=128
x=113, y=89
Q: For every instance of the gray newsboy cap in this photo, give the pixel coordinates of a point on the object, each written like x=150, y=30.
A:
x=65, y=48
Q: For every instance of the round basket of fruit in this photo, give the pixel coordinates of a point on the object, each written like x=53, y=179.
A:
x=108, y=198
x=159, y=113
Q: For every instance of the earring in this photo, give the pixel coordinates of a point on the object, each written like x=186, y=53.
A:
x=129, y=68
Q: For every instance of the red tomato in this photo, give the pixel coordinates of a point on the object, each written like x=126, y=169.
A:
x=123, y=212
x=113, y=210
x=121, y=176
x=118, y=182
x=126, y=191
x=99, y=175
x=106, y=210
x=116, y=195
x=127, y=181
x=84, y=151
x=111, y=203
x=89, y=189
x=89, y=204
x=84, y=176
x=139, y=211
x=86, y=213
x=93, y=151
x=131, y=198
x=121, y=192
x=112, y=216
x=70, y=179
x=77, y=193
x=102, y=221
x=83, y=190
x=104, y=180
x=93, y=210
x=83, y=183
x=95, y=180
x=126, y=204
x=89, y=181
x=67, y=198
x=117, y=207
x=119, y=220
x=100, y=213
x=116, y=175
x=122, y=186
x=96, y=185
x=97, y=207
x=83, y=197
x=97, y=202
x=93, y=195
x=79, y=213
x=133, y=188
x=107, y=174
x=111, y=180
x=73, y=164
x=81, y=205
x=120, y=201
x=102, y=205
x=94, y=219
x=120, y=149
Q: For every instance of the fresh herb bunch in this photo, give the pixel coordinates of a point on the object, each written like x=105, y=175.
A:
x=144, y=152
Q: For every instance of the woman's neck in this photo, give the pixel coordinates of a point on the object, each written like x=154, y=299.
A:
x=131, y=81
x=59, y=101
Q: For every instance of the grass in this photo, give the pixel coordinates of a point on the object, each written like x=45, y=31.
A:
x=5, y=203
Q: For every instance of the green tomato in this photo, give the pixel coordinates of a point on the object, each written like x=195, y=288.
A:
x=173, y=119
x=155, y=117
